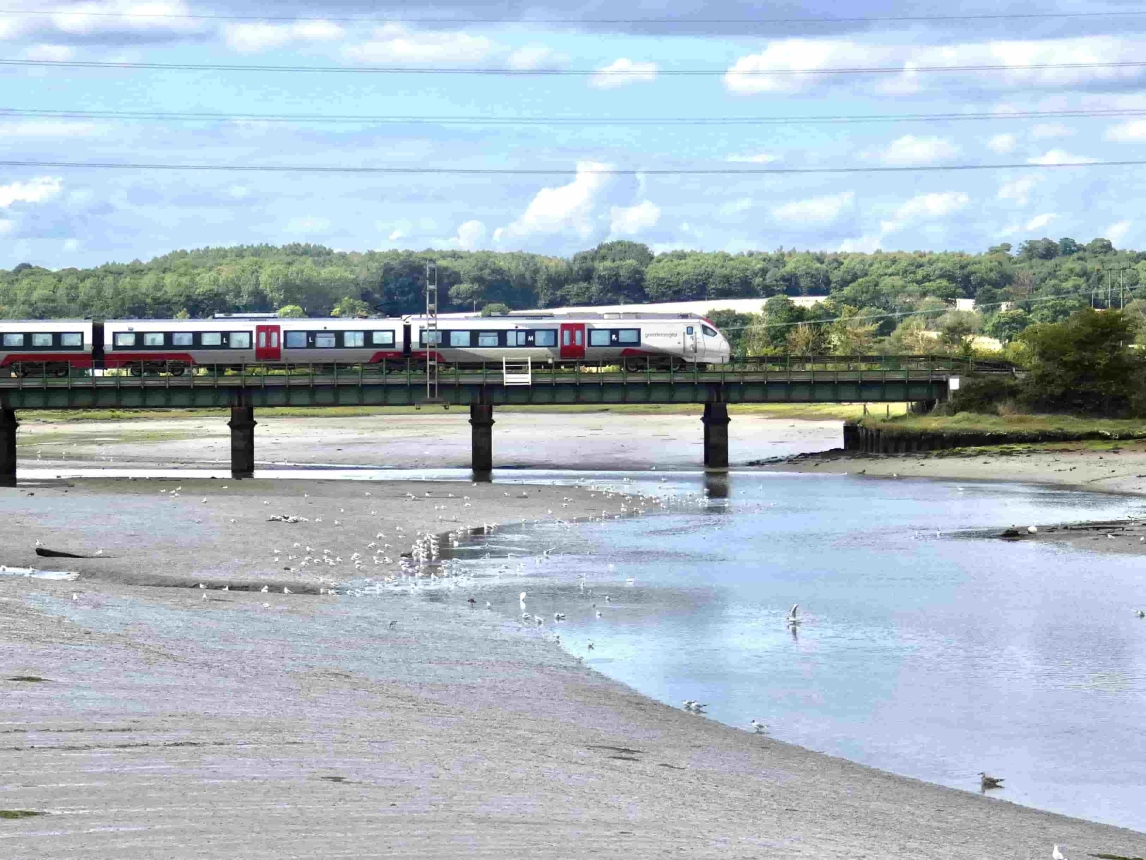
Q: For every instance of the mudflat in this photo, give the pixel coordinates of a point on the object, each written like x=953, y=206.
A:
x=169, y=720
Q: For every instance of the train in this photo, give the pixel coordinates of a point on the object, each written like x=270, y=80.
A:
x=633, y=340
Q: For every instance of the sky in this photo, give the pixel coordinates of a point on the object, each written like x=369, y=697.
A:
x=622, y=105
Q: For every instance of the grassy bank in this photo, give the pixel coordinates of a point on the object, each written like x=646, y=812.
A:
x=1011, y=427
x=788, y=411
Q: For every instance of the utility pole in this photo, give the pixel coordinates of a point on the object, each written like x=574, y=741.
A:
x=431, y=333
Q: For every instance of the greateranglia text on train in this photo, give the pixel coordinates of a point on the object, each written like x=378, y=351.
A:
x=633, y=340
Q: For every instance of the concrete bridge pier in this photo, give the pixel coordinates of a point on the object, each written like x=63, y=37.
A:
x=8, y=425
x=242, y=426
x=715, y=435
x=481, y=420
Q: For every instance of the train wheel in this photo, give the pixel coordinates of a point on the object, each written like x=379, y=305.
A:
x=176, y=369
x=634, y=365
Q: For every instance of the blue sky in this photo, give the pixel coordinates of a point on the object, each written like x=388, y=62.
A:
x=60, y=217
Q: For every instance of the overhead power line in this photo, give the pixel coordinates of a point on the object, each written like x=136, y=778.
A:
x=513, y=72
x=556, y=171
x=206, y=116
x=673, y=21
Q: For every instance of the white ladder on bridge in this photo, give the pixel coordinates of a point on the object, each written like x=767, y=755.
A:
x=517, y=373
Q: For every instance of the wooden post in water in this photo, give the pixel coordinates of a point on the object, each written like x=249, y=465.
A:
x=716, y=422
x=8, y=425
x=242, y=426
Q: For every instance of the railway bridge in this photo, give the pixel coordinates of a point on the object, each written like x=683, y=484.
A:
x=784, y=379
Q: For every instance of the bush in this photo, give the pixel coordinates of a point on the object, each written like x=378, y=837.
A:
x=986, y=394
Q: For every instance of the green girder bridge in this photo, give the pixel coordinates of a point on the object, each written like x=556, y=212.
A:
x=785, y=379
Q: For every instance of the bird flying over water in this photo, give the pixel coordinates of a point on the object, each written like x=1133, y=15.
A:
x=793, y=617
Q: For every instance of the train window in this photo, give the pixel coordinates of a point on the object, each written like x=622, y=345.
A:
x=708, y=332
x=153, y=338
x=295, y=340
x=325, y=340
x=515, y=338
x=211, y=338
x=72, y=338
x=431, y=337
x=182, y=338
x=124, y=338
x=545, y=337
x=275, y=339
x=353, y=338
x=599, y=337
x=262, y=340
x=42, y=339
x=689, y=330
x=629, y=335
x=240, y=340
x=13, y=340
x=459, y=338
x=382, y=338
x=487, y=338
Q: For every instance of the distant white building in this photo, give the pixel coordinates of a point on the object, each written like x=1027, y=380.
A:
x=741, y=306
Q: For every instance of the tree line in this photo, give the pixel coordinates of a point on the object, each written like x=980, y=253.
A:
x=896, y=300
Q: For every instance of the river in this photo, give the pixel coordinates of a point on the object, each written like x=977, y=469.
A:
x=922, y=651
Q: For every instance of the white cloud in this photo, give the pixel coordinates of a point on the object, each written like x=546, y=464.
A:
x=1019, y=190
x=1117, y=232
x=621, y=73
x=395, y=235
x=50, y=128
x=1036, y=223
x=72, y=244
x=816, y=210
x=471, y=236
x=924, y=207
x=250, y=38
x=1045, y=130
x=789, y=65
x=7, y=225
x=308, y=225
x=863, y=245
x=533, y=57
x=1058, y=156
x=631, y=220
x=124, y=16
x=912, y=151
x=1002, y=143
x=33, y=191
x=757, y=158
x=564, y=209
x=1129, y=132
x=396, y=43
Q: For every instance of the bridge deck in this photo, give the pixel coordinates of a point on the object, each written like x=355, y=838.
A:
x=806, y=382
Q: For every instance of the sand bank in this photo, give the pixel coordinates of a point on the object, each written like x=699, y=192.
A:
x=169, y=725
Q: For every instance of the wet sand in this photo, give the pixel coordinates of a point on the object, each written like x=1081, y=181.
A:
x=180, y=722
x=432, y=438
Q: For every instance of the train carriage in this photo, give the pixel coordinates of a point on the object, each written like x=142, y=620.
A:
x=175, y=346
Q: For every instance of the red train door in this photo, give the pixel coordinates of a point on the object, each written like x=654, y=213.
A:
x=268, y=343
x=572, y=340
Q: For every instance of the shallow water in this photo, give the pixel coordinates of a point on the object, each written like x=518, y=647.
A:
x=930, y=655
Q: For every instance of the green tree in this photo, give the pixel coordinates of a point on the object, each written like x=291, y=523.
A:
x=1007, y=325
x=1084, y=364
x=291, y=311
x=495, y=309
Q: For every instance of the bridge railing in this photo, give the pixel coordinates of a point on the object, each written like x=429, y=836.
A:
x=411, y=371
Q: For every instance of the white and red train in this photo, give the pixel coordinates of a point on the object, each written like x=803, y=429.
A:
x=53, y=347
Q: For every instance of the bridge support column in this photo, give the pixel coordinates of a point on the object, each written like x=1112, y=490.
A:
x=242, y=426
x=481, y=420
x=8, y=425
x=716, y=435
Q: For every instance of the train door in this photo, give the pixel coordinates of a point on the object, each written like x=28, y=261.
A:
x=268, y=343
x=572, y=340
x=691, y=341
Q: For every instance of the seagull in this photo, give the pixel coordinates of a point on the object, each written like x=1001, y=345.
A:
x=488, y=605
x=793, y=617
x=265, y=589
x=590, y=646
x=286, y=590
x=986, y=781
x=759, y=727
x=1140, y=613
x=391, y=625
x=472, y=603
x=1057, y=854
